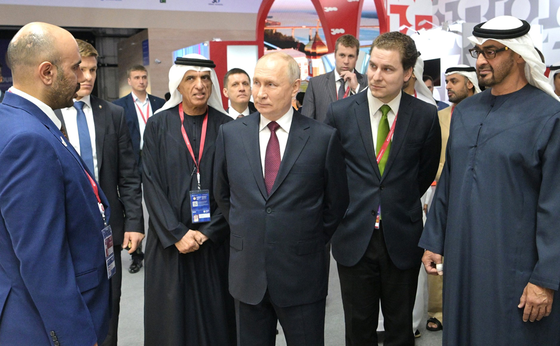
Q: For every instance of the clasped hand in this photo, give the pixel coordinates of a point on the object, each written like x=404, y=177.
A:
x=191, y=241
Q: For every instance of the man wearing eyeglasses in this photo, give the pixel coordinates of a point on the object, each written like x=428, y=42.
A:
x=495, y=212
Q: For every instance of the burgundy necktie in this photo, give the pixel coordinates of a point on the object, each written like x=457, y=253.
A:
x=272, y=158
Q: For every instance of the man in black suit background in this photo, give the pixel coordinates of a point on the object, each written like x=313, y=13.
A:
x=340, y=83
x=107, y=151
x=237, y=88
x=138, y=107
x=391, y=142
x=280, y=181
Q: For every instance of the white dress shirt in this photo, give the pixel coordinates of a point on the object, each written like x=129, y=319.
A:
x=282, y=133
x=234, y=114
x=70, y=122
x=375, y=114
x=42, y=106
x=147, y=110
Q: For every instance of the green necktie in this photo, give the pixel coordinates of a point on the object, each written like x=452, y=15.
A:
x=382, y=132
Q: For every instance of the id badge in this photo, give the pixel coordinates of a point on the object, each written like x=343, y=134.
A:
x=200, y=206
x=378, y=218
x=107, y=233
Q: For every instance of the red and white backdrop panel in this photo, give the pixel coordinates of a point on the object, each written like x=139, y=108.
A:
x=338, y=17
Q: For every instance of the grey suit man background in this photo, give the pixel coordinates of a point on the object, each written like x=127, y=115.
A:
x=325, y=89
x=114, y=167
x=280, y=219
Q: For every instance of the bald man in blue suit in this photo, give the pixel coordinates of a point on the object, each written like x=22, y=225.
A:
x=54, y=286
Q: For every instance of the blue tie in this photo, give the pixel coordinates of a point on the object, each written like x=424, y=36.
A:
x=85, y=141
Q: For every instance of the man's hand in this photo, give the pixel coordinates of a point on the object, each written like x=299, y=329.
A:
x=431, y=260
x=191, y=241
x=200, y=237
x=350, y=79
x=537, y=302
x=132, y=240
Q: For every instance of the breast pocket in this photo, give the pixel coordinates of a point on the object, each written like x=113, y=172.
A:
x=307, y=169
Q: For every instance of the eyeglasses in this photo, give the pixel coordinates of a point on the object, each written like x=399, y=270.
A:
x=487, y=53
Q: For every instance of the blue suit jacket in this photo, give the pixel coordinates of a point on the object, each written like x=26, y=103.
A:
x=53, y=280
x=131, y=116
x=278, y=241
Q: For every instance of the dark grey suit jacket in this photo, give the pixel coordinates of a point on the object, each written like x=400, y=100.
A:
x=410, y=169
x=321, y=92
x=118, y=174
x=278, y=242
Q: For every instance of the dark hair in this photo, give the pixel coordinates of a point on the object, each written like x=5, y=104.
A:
x=400, y=42
x=300, y=95
x=135, y=68
x=427, y=77
x=348, y=41
x=234, y=71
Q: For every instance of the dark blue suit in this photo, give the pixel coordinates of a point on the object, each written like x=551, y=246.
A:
x=53, y=280
x=127, y=102
x=277, y=243
x=383, y=263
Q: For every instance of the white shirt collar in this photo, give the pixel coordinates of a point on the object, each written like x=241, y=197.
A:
x=375, y=103
x=86, y=100
x=234, y=114
x=42, y=106
x=285, y=121
x=137, y=100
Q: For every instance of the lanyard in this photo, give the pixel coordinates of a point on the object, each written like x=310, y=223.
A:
x=379, y=156
x=387, y=140
x=188, y=143
x=145, y=118
x=96, y=192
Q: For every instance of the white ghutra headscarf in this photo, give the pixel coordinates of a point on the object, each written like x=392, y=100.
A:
x=192, y=62
x=514, y=33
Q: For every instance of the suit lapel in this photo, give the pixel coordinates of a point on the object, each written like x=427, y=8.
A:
x=251, y=145
x=132, y=111
x=33, y=110
x=401, y=128
x=296, y=142
x=99, y=119
x=331, y=87
x=361, y=113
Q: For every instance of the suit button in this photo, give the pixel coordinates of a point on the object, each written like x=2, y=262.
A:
x=53, y=333
x=56, y=343
x=373, y=213
x=381, y=187
x=268, y=210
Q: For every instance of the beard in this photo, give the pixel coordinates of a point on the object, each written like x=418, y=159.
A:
x=62, y=93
